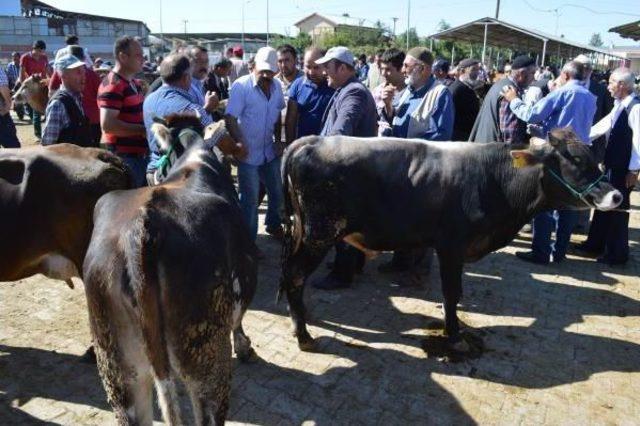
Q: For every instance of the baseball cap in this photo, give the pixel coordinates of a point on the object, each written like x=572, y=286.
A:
x=339, y=53
x=584, y=60
x=67, y=62
x=266, y=59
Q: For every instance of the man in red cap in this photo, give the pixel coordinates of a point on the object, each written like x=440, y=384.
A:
x=239, y=67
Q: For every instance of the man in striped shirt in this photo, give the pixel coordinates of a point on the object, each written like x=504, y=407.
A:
x=120, y=99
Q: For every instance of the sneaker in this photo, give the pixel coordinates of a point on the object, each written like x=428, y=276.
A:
x=531, y=257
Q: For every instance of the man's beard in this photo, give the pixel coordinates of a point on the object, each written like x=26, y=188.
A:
x=473, y=83
x=411, y=79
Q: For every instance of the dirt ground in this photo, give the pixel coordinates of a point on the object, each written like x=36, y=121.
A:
x=562, y=346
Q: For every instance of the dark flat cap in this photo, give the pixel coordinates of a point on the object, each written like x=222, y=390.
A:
x=468, y=63
x=522, y=61
x=441, y=65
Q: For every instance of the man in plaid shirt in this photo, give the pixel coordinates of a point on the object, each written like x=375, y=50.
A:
x=13, y=74
x=8, y=138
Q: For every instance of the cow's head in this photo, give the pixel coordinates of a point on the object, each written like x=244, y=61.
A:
x=218, y=135
x=34, y=91
x=570, y=176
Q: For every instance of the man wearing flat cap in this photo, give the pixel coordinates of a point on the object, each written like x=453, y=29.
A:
x=351, y=112
x=441, y=71
x=496, y=122
x=465, y=100
x=66, y=121
x=424, y=111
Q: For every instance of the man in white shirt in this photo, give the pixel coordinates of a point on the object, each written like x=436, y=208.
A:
x=609, y=233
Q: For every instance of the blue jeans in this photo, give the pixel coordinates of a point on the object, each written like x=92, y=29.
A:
x=249, y=178
x=8, y=138
x=138, y=167
x=560, y=221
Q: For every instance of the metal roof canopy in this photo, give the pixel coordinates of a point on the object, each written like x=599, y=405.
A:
x=493, y=32
x=630, y=30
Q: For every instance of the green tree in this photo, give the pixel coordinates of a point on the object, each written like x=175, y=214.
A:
x=596, y=40
x=401, y=39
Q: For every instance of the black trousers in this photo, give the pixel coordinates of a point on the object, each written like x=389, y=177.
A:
x=609, y=232
x=8, y=138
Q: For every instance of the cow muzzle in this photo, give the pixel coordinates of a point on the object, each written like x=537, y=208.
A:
x=610, y=201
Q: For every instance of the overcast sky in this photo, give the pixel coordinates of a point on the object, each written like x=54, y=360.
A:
x=576, y=23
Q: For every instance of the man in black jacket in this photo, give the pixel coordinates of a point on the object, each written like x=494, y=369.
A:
x=465, y=100
x=66, y=121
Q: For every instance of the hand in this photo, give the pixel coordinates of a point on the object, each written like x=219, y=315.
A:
x=388, y=92
x=631, y=179
x=509, y=93
x=211, y=101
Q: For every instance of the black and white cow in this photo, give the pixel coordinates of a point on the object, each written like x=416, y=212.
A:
x=169, y=274
x=465, y=200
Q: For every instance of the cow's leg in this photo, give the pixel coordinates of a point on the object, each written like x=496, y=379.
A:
x=168, y=399
x=122, y=364
x=451, y=276
x=241, y=343
x=296, y=269
x=209, y=383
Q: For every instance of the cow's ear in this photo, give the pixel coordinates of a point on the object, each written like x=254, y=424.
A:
x=557, y=138
x=163, y=136
x=523, y=158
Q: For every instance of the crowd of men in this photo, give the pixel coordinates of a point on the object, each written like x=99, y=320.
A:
x=268, y=102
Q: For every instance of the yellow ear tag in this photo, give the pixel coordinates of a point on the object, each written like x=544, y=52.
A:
x=519, y=162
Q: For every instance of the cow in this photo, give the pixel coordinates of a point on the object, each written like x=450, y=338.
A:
x=34, y=91
x=464, y=200
x=47, y=196
x=169, y=274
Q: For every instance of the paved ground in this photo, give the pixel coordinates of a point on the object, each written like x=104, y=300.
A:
x=562, y=346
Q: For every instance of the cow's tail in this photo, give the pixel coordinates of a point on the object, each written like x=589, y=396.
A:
x=142, y=265
x=292, y=212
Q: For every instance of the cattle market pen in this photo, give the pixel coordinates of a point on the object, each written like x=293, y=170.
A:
x=496, y=33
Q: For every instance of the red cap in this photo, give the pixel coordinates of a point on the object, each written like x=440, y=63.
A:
x=238, y=51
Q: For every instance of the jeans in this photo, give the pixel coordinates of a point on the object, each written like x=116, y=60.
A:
x=8, y=138
x=249, y=178
x=35, y=119
x=137, y=165
x=560, y=221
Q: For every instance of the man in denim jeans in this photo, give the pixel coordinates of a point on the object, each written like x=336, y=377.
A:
x=253, y=119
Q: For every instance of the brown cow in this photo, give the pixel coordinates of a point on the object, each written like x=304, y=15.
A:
x=47, y=196
x=34, y=91
x=169, y=274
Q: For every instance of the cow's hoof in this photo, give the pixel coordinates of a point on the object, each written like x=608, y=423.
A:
x=461, y=346
x=307, y=344
x=247, y=356
x=89, y=357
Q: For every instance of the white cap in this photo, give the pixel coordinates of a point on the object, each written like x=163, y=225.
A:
x=266, y=59
x=584, y=60
x=339, y=53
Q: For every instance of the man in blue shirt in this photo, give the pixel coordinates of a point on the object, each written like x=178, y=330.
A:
x=351, y=112
x=253, y=118
x=308, y=99
x=172, y=97
x=425, y=110
x=199, y=58
x=570, y=105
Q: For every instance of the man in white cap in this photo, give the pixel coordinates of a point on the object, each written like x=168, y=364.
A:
x=253, y=119
x=65, y=117
x=350, y=112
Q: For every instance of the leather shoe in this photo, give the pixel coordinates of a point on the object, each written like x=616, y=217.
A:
x=276, y=232
x=330, y=282
x=529, y=256
x=586, y=249
x=390, y=268
x=611, y=262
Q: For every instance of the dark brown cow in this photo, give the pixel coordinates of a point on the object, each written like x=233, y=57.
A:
x=47, y=196
x=169, y=274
